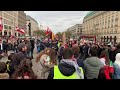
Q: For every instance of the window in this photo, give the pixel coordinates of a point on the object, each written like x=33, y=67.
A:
x=0, y=33
x=103, y=25
x=10, y=27
x=116, y=19
x=9, y=33
x=111, y=31
x=5, y=21
x=5, y=26
x=111, y=25
x=5, y=32
x=116, y=25
x=15, y=34
x=112, y=20
x=115, y=31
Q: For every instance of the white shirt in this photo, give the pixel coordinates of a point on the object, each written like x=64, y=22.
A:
x=103, y=60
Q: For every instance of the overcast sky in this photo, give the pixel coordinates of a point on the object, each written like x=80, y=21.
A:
x=57, y=21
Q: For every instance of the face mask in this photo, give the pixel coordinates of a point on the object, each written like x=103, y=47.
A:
x=48, y=59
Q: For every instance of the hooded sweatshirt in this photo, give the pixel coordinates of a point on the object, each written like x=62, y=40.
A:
x=65, y=69
x=117, y=61
x=116, y=66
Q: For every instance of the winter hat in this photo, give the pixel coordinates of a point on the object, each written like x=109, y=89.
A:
x=117, y=61
x=20, y=46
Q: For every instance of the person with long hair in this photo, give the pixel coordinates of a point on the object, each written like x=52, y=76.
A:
x=24, y=70
x=104, y=58
x=47, y=59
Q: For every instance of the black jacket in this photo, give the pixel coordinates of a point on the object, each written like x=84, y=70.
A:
x=18, y=58
x=112, y=55
x=80, y=63
x=65, y=69
x=32, y=44
x=42, y=46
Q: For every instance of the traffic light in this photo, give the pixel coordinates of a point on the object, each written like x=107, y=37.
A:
x=29, y=28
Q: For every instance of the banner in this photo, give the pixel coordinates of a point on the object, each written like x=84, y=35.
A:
x=53, y=36
x=64, y=38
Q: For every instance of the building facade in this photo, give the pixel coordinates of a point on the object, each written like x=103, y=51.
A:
x=76, y=30
x=21, y=20
x=33, y=25
x=11, y=20
x=105, y=25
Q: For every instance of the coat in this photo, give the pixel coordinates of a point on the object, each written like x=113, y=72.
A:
x=116, y=74
x=4, y=76
x=92, y=66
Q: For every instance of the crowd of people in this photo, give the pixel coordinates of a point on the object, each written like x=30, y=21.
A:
x=70, y=60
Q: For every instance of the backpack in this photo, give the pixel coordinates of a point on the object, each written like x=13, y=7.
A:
x=106, y=72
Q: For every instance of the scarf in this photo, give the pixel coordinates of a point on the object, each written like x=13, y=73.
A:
x=73, y=63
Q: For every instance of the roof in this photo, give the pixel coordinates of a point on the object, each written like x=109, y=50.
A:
x=30, y=18
x=90, y=14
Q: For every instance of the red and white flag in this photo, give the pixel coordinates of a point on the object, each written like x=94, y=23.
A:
x=17, y=29
x=48, y=31
x=22, y=31
x=1, y=25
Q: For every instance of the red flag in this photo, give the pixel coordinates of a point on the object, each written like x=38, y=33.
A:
x=48, y=31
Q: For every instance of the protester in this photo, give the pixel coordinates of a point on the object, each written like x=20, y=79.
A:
x=67, y=69
x=24, y=70
x=112, y=54
x=5, y=47
x=3, y=69
x=104, y=58
x=47, y=59
x=28, y=44
x=54, y=46
x=32, y=47
x=76, y=52
x=116, y=66
x=92, y=65
x=60, y=52
x=1, y=47
x=19, y=56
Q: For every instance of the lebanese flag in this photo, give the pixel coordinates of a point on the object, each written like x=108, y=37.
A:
x=12, y=36
x=17, y=29
x=1, y=26
x=22, y=31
